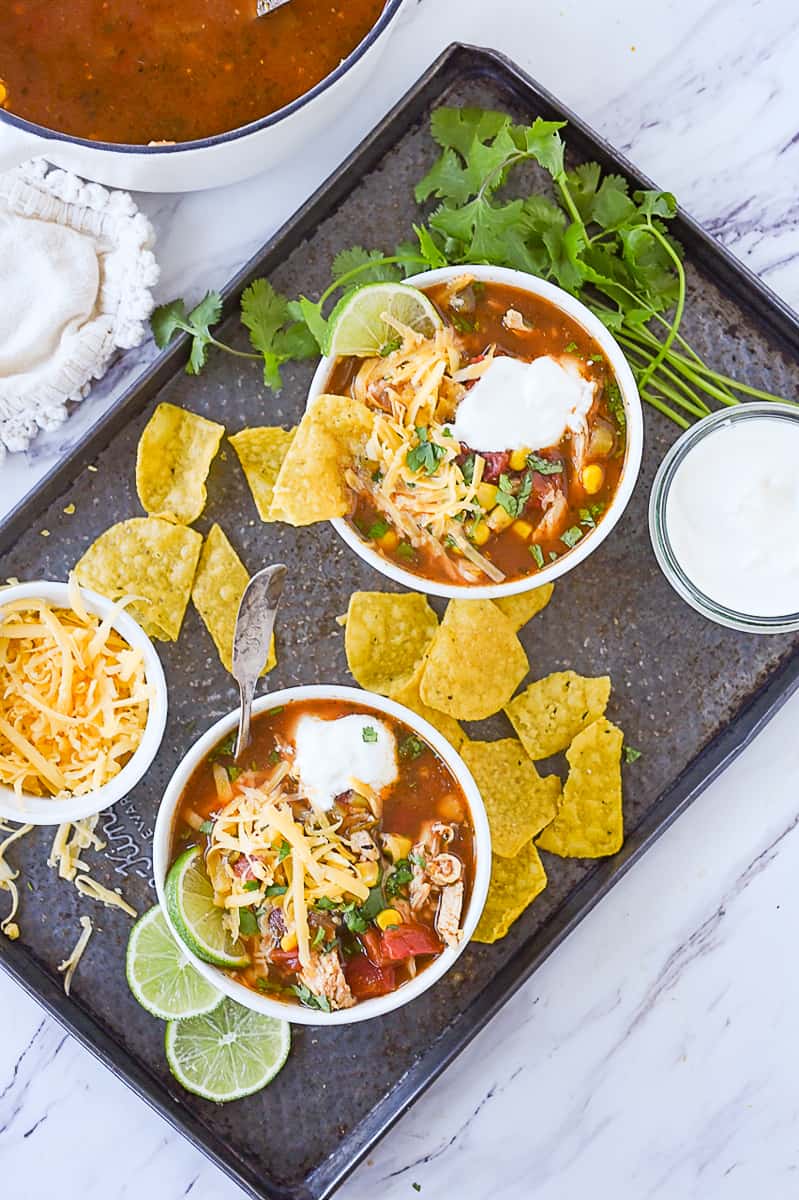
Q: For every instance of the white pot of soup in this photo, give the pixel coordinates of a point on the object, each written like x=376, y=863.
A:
x=150, y=96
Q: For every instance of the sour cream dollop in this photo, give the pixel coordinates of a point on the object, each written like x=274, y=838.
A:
x=519, y=404
x=732, y=513
x=333, y=756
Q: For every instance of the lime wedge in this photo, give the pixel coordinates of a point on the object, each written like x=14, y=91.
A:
x=359, y=326
x=160, y=975
x=228, y=1053
x=190, y=903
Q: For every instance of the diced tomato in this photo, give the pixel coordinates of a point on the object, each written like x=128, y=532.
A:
x=372, y=944
x=289, y=960
x=405, y=941
x=496, y=464
x=366, y=978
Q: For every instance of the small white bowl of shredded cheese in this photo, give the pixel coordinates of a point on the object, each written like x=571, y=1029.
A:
x=83, y=702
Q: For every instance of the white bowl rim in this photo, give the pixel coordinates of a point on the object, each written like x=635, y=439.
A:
x=43, y=810
x=364, y=1010
x=632, y=460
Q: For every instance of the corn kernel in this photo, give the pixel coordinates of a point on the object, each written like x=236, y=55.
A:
x=518, y=459
x=498, y=520
x=522, y=528
x=593, y=477
x=479, y=533
x=389, y=541
x=368, y=872
x=396, y=846
x=3, y=92
x=487, y=495
x=388, y=917
x=288, y=941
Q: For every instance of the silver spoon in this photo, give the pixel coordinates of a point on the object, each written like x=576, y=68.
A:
x=254, y=624
x=264, y=7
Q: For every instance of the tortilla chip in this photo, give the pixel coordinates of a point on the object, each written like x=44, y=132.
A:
x=261, y=452
x=408, y=694
x=310, y=485
x=475, y=661
x=519, y=803
x=149, y=558
x=522, y=608
x=385, y=636
x=218, y=587
x=172, y=463
x=590, y=823
x=550, y=713
x=515, y=883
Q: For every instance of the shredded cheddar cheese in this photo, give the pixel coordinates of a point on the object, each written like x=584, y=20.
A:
x=256, y=844
x=73, y=698
x=69, y=966
x=8, y=876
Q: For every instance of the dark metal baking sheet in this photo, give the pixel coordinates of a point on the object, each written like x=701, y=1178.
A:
x=688, y=693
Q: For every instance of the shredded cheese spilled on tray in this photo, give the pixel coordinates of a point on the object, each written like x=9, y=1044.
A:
x=70, y=839
x=87, y=886
x=69, y=966
x=8, y=875
x=73, y=698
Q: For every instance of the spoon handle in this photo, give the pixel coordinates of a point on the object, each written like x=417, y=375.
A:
x=254, y=625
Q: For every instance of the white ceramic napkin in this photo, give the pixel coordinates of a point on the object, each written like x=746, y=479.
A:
x=76, y=269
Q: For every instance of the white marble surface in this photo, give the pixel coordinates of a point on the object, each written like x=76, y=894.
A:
x=655, y=1054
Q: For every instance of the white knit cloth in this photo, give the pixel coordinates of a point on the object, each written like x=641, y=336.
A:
x=76, y=269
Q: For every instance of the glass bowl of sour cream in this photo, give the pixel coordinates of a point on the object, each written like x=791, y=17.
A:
x=724, y=514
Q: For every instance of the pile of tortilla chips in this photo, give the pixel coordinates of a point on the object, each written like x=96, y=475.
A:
x=467, y=668
x=157, y=562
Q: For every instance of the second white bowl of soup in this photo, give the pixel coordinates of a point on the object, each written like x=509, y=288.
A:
x=338, y=871
x=507, y=446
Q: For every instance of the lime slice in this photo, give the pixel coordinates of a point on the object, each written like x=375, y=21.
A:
x=190, y=903
x=228, y=1053
x=160, y=975
x=359, y=327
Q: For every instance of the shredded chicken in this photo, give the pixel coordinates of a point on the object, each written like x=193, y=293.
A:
x=444, y=869
x=448, y=917
x=364, y=846
x=325, y=977
x=514, y=321
x=556, y=512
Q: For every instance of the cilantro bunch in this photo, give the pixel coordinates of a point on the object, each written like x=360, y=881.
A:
x=585, y=232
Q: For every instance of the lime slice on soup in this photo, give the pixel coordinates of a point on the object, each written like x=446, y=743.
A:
x=359, y=320
x=228, y=1053
x=160, y=975
x=190, y=903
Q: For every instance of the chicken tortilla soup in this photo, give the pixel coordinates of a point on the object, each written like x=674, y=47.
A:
x=338, y=861
x=497, y=442
x=139, y=71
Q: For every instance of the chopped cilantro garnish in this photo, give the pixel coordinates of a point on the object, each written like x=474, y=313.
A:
x=389, y=347
x=616, y=404
x=631, y=755
x=399, y=877
x=405, y=550
x=467, y=468
x=252, y=885
x=273, y=712
x=461, y=323
x=284, y=851
x=207, y=827
x=411, y=747
x=572, y=536
x=571, y=348
x=247, y=922
x=552, y=556
x=417, y=1187
x=273, y=758
x=369, y=733
x=418, y=860
x=538, y=555
x=319, y=936
x=514, y=502
x=276, y=889
x=233, y=772
x=544, y=466
x=309, y=998
x=377, y=530
x=426, y=455
x=325, y=903
x=224, y=748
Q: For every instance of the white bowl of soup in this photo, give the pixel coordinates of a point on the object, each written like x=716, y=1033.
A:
x=152, y=96
x=84, y=703
x=351, y=836
x=536, y=428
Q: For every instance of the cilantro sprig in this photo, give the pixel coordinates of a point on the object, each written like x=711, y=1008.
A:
x=584, y=230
